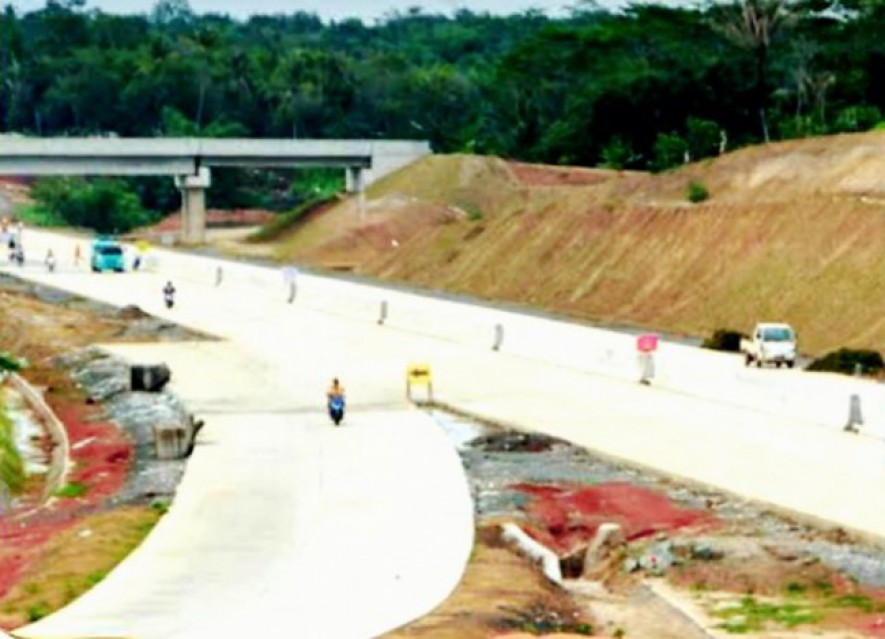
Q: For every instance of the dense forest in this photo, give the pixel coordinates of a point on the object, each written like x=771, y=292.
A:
x=647, y=87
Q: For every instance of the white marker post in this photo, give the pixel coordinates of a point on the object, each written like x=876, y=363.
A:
x=646, y=345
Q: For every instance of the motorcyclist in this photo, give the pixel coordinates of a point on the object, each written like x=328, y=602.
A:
x=335, y=391
x=169, y=294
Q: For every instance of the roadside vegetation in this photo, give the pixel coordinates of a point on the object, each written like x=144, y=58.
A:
x=724, y=339
x=850, y=361
x=12, y=470
x=77, y=559
x=287, y=222
x=105, y=205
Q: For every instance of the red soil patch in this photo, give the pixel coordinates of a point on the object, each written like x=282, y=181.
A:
x=874, y=627
x=216, y=219
x=101, y=456
x=565, y=518
x=539, y=175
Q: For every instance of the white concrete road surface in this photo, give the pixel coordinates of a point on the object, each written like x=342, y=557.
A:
x=270, y=557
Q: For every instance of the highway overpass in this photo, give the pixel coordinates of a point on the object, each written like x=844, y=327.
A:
x=190, y=160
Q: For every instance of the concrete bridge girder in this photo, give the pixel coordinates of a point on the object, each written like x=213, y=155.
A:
x=189, y=160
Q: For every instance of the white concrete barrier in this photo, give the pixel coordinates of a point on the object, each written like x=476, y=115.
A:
x=60, y=460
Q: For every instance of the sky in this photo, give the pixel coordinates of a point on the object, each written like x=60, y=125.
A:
x=367, y=10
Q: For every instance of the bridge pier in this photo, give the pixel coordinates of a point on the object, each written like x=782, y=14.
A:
x=356, y=185
x=193, y=205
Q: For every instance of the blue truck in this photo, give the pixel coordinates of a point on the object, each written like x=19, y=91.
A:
x=107, y=255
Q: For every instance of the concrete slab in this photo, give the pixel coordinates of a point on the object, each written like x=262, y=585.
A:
x=283, y=521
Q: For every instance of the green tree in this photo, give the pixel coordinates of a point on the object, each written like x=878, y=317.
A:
x=105, y=205
x=670, y=150
x=753, y=26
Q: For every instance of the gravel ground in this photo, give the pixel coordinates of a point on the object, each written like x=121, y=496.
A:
x=495, y=459
x=105, y=379
x=138, y=325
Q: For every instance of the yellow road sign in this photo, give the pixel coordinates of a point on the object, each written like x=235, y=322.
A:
x=419, y=374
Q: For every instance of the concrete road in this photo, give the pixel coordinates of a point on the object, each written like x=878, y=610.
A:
x=771, y=435
x=283, y=524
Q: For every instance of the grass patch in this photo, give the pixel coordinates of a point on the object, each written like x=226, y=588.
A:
x=12, y=468
x=805, y=604
x=70, y=564
x=38, y=610
x=283, y=222
x=474, y=213
x=160, y=506
x=752, y=615
x=858, y=602
x=71, y=490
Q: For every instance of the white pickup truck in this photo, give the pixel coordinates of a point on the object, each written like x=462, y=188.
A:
x=770, y=344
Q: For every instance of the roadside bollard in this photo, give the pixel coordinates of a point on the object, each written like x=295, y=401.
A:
x=499, y=337
x=290, y=277
x=219, y=275
x=646, y=368
x=855, y=416
x=646, y=345
x=382, y=313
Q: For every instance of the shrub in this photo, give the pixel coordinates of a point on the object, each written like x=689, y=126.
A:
x=846, y=361
x=11, y=363
x=12, y=468
x=724, y=339
x=670, y=150
x=71, y=490
x=697, y=192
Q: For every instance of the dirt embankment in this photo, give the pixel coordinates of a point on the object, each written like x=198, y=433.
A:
x=51, y=553
x=691, y=563
x=792, y=231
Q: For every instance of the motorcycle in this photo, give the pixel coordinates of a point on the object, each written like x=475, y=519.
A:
x=336, y=409
x=169, y=295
